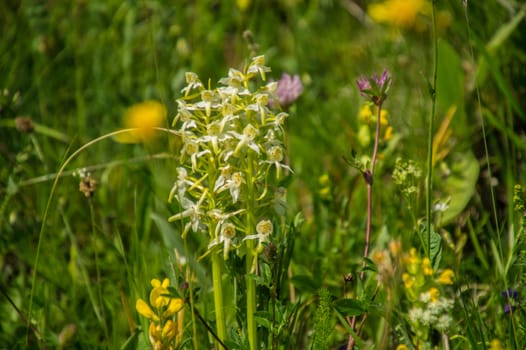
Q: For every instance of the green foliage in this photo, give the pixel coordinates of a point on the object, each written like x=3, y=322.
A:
x=350, y=307
x=459, y=186
x=72, y=273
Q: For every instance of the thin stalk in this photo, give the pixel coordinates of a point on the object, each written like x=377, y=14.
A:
x=217, y=263
x=368, y=176
x=430, y=137
x=218, y=296
x=251, y=297
x=190, y=279
x=90, y=168
x=251, y=258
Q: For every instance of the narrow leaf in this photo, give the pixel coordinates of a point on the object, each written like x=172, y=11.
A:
x=435, y=250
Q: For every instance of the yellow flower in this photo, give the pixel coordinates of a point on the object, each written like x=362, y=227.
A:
x=243, y=4
x=388, y=133
x=145, y=310
x=402, y=347
x=157, y=295
x=175, y=305
x=426, y=267
x=324, y=184
x=143, y=118
x=446, y=277
x=412, y=261
x=379, y=256
x=154, y=335
x=365, y=112
x=162, y=329
x=160, y=299
x=434, y=293
x=495, y=345
x=383, y=117
x=169, y=330
x=364, y=135
x=399, y=13
x=408, y=280
x=395, y=247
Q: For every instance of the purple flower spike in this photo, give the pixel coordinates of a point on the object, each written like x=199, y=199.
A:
x=384, y=83
x=510, y=294
x=511, y=297
x=375, y=87
x=288, y=90
x=364, y=85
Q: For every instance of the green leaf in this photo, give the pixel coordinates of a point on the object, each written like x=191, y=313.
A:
x=450, y=85
x=131, y=342
x=306, y=283
x=435, y=249
x=173, y=293
x=350, y=307
x=500, y=124
x=498, y=39
x=230, y=345
x=359, y=342
x=370, y=265
x=263, y=318
x=260, y=280
x=459, y=185
x=266, y=275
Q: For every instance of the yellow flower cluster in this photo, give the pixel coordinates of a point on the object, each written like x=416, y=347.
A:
x=161, y=312
x=419, y=274
x=423, y=289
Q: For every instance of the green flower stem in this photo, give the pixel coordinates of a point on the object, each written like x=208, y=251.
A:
x=369, y=182
x=218, y=296
x=251, y=258
x=368, y=176
x=189, y=278
x=251, y=296
x=217, y=261
x=427, y=246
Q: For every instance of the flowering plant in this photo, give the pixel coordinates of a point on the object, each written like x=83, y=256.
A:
x=375, y=87
x=429, y=307
x=161, y=311
x=232, y=142
x=232, y=157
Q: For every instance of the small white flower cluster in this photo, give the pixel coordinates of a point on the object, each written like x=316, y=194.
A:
x=231, y=142
x=406, y=174
x=431, y=313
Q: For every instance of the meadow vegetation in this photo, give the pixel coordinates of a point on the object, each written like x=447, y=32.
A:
x=321, y=174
